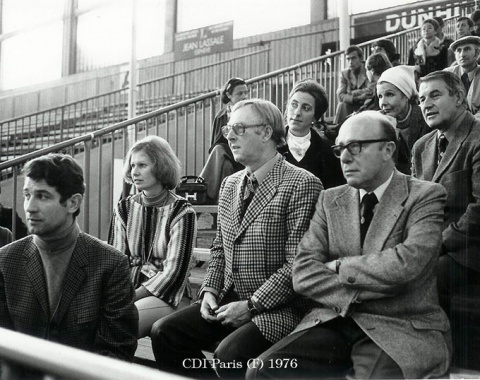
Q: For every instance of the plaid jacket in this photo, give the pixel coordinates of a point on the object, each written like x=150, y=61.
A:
x=255, y=255
x=96, y=312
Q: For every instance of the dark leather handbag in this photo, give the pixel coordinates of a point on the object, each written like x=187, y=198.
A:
x=193, y=189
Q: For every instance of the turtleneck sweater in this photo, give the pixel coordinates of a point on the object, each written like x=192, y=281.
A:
x=56, y=253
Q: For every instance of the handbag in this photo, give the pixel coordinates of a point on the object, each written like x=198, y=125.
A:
x=193, y=189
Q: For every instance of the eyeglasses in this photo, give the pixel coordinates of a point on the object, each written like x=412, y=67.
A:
x=238, y=128
x=354, y=148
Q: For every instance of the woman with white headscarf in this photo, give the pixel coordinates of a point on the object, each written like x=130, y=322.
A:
x=397, y=95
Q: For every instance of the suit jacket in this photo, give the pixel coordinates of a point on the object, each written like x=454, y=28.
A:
x=96, y=312
x=318, y=160
x=459, y=173
x=349, y=82
x=473, y=96
x=255, y=255
x=395, y=272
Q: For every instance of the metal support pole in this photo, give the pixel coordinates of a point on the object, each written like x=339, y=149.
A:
x=343, y=24
x=132, y=89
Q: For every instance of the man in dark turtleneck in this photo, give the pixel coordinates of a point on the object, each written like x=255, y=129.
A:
x=60, y=283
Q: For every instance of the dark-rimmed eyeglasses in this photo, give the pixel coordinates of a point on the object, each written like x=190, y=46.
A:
x=354, y=148
x=238, y=128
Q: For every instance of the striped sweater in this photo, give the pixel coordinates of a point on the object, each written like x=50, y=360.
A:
x=170, y=244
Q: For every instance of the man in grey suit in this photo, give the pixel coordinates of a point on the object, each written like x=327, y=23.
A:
x=450, y=155
x=247, y=298
x=60, y=283
x=369, y=262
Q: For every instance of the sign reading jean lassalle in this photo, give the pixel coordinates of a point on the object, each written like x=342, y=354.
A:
x=203, y=41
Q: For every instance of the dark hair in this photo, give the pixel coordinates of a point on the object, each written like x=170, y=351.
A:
x=389, y=48
x=59, y=171
x=268, y=114
x=439, y=20
x=229, y=87
x=452, y=80
x=431, y=21
x=354, y=48
x=379, y=62
x=166, y=165
x=469, y=21
x=475, y=16
x=316, y=90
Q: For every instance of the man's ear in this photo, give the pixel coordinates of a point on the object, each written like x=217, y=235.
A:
x=390, y=148
x=74, y=202
x=267, y=133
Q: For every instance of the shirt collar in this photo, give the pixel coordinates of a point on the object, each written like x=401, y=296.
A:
x=262, y=172
x=380, y=190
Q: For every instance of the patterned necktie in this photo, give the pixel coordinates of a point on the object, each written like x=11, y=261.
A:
x=442, y=147
x=466, y=82
x=249, y=192
x=368, y=203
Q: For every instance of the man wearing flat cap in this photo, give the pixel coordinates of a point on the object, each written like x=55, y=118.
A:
x=467, y=52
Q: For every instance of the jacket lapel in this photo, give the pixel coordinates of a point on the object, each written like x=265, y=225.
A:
x=455, y=145
x=429, y=158
x=265, y=192
x=386, y=214
x=74, y=277
x=34, y=271
x=346, y=221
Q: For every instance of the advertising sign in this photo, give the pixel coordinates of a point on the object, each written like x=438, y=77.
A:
x=203, y=41
x=393, y=20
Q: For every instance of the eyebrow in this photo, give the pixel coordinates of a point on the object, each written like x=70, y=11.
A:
x=37, y=192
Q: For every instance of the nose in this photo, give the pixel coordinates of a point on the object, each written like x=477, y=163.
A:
x=30, y=206
x=134, y=172
x=345, y=156
x=231, y=135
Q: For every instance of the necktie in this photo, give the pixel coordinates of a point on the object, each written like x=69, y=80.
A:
x=466, y=82
x=368, y=203
x=249, y=192
x=442, y=147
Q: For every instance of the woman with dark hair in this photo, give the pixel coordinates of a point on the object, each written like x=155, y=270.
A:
x=397, y=93
x=305, y=147
x=387, y=47
x=220, y=162
x=429, y=53
x=234, y=91
x=376, y=64
x=156, y=229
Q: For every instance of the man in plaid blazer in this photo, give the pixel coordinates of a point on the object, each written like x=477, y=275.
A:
x=247, y=299
x=60, y=283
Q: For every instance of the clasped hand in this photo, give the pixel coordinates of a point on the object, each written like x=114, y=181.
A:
x=233, y=314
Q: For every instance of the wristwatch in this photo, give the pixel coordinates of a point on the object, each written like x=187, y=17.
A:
x=252, y=309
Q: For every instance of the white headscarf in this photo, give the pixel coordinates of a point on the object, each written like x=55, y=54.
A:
x=402, y=77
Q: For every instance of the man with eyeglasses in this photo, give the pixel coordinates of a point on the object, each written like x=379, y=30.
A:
x=368, y=260
x=247, y=298
x=450, y=156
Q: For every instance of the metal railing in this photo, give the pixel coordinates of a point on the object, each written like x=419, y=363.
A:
x=186, y=125
x=70, y=363
x=34, y=131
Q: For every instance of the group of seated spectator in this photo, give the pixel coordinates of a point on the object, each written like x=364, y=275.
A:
x=350, y=258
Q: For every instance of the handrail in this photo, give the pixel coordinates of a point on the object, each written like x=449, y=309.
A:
x=70, y=363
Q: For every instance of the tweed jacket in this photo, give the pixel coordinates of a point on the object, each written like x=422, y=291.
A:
x=96, y=312
x=459, y=173
x=349, y=83
x=318, y=160
x=255, y=255
x=473, y=96
x=394, y=273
